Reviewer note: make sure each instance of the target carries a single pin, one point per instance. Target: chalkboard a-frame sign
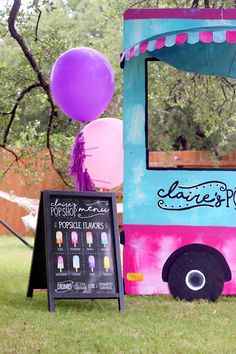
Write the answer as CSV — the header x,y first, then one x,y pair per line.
x,y
76,253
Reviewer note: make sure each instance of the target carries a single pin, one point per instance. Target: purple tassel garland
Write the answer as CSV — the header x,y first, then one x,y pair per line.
x,y
81,176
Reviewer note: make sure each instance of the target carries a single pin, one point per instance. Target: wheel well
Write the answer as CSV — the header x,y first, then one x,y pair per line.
x,y
196,247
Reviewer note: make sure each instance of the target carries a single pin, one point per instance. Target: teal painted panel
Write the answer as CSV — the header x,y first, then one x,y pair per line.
x,y
177,197
201,58
134,102
136,31
169,197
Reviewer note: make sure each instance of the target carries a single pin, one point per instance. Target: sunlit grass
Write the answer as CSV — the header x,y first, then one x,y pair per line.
x,y
150,324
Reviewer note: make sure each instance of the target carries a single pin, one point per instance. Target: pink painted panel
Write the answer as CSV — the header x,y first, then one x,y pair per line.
x,y
206,37
210,14
160,42
131,52
143,47
231,36
147,248
181,38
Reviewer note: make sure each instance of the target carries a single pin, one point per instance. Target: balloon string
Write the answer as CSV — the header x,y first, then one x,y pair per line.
x,y
82,125
92,148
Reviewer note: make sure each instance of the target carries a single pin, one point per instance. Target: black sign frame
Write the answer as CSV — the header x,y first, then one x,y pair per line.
x,y
42,273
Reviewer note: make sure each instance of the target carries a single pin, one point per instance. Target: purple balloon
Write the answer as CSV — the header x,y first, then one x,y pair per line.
x,y
82,83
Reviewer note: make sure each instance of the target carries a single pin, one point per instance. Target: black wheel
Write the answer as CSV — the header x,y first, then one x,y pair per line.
x,y
196,275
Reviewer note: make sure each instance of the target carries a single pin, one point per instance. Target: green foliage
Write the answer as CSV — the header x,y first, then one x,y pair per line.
x,y
52,27
190,112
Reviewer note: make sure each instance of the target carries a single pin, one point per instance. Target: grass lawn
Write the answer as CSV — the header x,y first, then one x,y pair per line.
x,y
150,324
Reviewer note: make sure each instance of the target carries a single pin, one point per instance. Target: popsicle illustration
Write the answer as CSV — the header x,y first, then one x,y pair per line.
x,y
91,262
76,263
59,238
106,263
104,239
60,263
89,238
74,238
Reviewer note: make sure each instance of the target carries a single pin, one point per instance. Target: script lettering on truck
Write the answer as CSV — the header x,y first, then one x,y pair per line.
x,y
212,194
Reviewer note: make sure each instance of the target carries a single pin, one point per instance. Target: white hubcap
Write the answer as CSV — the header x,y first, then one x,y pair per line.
x,y
195,280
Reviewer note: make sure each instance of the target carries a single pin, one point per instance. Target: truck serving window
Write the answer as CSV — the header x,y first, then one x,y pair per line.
x,y
190,119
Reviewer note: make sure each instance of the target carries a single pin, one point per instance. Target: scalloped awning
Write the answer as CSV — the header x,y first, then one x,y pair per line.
x,y
179,39
207,53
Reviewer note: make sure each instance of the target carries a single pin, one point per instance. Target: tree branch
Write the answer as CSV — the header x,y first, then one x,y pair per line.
x,y
43,83
17,157
7,168
37,25
195,3
17,160
11,25
13,112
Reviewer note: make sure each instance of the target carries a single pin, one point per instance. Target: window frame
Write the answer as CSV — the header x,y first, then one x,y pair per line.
x,y
148,167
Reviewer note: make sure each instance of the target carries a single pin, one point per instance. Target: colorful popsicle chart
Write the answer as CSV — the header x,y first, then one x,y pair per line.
x,y
60,263
74,238
104,239
59,238
106,263
91,262
76,262
89,238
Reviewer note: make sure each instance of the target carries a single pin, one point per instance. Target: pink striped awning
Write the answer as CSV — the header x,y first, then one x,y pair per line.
x,y
179,39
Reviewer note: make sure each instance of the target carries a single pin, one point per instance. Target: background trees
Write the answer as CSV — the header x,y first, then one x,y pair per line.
x,y
44,29
190,112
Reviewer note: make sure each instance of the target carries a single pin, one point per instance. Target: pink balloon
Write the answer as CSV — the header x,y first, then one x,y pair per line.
x,y
104,152
82,83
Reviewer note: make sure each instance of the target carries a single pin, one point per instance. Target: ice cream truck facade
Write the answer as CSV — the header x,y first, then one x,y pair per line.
x,y
179,223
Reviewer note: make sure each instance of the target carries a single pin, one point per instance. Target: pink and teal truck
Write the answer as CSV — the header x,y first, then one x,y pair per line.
x,y
179,223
